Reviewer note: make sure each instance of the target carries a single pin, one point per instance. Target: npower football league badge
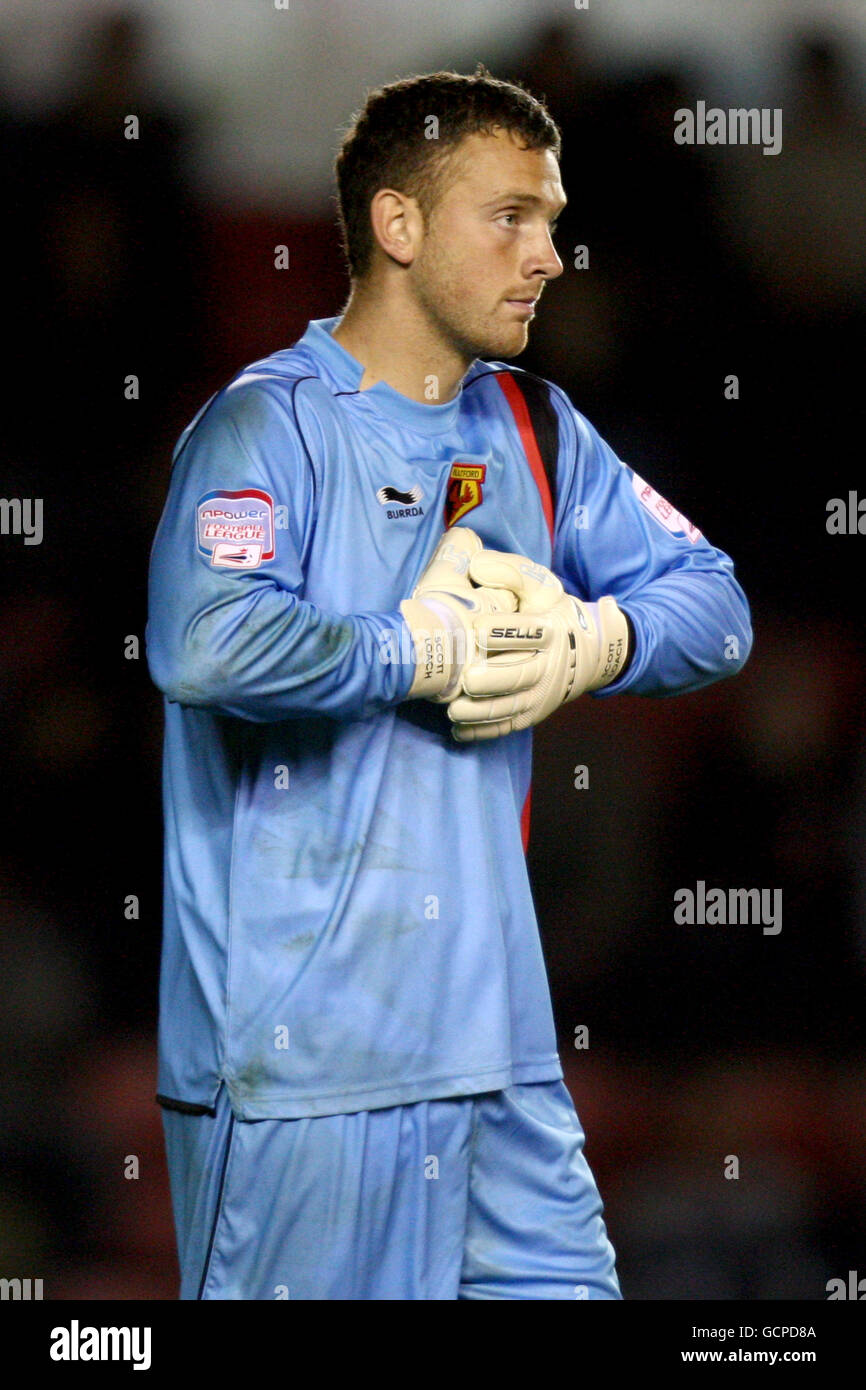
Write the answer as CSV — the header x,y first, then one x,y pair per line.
x,y
236,529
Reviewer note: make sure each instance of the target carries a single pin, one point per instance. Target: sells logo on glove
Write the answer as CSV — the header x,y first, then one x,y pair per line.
x,y
524,634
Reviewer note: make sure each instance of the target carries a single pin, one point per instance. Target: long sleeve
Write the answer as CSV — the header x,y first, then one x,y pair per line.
x,y
616,535
228,628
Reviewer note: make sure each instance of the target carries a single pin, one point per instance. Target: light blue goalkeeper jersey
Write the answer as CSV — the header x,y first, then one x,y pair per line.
x,y
348,921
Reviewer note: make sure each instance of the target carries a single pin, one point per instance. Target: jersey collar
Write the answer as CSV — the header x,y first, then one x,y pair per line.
x,y
346,372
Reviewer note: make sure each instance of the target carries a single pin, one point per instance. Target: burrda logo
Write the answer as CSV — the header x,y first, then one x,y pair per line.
x,y
399,504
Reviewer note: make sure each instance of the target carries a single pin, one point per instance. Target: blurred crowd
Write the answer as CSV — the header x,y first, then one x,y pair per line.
x,y
704,1042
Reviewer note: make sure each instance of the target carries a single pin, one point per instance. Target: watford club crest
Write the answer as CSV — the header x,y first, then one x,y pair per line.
x,y
464,491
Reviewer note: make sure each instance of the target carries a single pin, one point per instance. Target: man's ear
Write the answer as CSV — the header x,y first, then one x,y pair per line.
x,y
397,224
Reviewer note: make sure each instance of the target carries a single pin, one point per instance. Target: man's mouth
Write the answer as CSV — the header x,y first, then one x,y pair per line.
x,y
524,306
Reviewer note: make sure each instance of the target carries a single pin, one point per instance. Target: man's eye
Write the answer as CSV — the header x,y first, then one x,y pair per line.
x,y
511,214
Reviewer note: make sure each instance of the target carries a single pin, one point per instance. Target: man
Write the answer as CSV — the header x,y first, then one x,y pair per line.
x,y
358,1067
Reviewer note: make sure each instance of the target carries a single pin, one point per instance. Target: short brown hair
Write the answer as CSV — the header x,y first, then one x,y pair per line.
x,y
387,146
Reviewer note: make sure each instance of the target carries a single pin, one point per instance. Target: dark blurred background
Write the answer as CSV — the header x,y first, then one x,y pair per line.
x,y
154,258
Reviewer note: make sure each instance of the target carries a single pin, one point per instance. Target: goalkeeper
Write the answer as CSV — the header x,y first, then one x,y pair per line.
x,y
385,555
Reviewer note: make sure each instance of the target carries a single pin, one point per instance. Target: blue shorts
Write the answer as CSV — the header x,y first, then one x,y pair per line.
x,y
483,1196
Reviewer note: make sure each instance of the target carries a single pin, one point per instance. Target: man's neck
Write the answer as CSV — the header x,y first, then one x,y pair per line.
x,y
396,343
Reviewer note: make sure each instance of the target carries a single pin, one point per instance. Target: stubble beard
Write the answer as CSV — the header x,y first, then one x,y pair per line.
x,y
444,307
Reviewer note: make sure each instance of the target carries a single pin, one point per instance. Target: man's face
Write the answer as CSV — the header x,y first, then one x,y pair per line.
x,y
488,244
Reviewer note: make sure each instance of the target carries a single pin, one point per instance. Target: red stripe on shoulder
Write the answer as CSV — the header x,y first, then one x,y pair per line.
x,y
520,411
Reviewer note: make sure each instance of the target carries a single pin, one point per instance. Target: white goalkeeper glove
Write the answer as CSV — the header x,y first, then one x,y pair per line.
x,y
441,614
556,648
